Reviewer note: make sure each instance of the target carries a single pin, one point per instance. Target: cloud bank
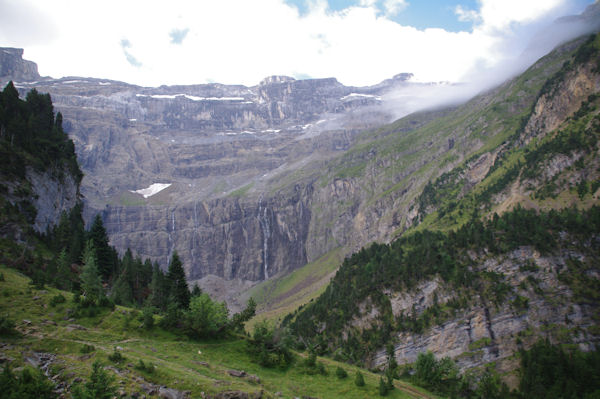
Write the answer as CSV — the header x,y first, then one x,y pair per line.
x,y
151,42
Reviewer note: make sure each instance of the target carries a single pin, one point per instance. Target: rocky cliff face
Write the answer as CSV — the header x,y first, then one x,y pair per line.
x,y
487,332
51,197
14,67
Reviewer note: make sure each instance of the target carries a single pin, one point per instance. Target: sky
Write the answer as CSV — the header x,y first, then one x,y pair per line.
x,y
360,42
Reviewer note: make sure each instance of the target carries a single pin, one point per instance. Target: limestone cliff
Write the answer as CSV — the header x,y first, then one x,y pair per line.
x,y
14,67
486,332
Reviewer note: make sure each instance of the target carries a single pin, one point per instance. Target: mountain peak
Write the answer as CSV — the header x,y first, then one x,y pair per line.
x,y
14,67
276,79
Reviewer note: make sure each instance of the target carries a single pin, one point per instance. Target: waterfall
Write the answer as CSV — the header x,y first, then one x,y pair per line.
x,y
266,232
195,233
171,242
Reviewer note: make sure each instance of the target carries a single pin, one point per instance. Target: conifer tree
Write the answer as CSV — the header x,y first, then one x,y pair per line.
x,y
91,284
158,289
122,292
178,287
359,379
105,254
63,271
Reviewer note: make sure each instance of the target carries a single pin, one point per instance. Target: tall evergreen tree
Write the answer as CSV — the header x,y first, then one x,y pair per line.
x,y
122,292
63,272
105,254
91,284
178,287
158,289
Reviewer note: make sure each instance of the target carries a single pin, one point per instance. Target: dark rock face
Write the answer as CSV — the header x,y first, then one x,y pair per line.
x,y
14,67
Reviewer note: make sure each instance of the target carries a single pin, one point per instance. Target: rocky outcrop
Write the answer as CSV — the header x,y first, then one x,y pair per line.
x,y
14,67
562,99
52,195
540,305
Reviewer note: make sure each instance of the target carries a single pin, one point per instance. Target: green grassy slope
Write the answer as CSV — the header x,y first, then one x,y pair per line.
x,y
195,366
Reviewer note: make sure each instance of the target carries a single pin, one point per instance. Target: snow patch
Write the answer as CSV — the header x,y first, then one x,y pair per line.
x,y
193,98
132,120
353,96
104,83
151,190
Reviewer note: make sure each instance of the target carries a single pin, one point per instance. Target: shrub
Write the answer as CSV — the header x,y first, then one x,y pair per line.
x,y
7,326
57,299
100,385
87,348
116,356
270,347
359,379
145,367
341,373
28,384
148,317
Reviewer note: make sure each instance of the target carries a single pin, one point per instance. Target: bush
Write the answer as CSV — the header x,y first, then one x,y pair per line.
x,y
359,379
116,356
7,326
341,373
148,317
28,384
100,385
440,376
270,347
57,299
87,348
145,367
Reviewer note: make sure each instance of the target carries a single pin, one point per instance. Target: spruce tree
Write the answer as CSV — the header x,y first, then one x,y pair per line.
x,y
122,292
91,284
178,287
383,388
158,289
63,272
105,256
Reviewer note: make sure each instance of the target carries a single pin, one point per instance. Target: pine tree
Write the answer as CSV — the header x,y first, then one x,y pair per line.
x,y
105,256
178,287
158,289
63,272
91,284
122,292
196,291
383,388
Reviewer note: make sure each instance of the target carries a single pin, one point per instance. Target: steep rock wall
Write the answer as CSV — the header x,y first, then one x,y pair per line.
x,y
231,238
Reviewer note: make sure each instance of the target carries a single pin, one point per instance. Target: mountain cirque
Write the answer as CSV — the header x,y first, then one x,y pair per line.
x,y
225,156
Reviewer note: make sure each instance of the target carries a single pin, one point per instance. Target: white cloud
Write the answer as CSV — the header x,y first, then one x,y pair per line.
x,y
466,15
393,7
237,41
